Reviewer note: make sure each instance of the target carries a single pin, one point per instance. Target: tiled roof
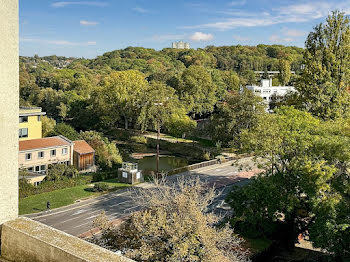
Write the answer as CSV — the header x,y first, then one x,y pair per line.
x,y
43,143
82,147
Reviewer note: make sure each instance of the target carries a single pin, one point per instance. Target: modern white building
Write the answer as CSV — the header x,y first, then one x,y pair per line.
x,y
270,93
180,45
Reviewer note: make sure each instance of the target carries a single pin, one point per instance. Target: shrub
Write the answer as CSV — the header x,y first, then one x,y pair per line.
x,y
59,171
100,187
139,139
101,176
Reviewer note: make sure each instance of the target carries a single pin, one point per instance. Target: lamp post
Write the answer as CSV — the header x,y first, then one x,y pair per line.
x,y
158,138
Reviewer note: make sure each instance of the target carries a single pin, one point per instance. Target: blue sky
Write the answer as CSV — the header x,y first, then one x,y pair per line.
x,y
91,28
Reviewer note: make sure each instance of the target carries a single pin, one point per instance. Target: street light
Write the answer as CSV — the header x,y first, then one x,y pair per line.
x,y
158,138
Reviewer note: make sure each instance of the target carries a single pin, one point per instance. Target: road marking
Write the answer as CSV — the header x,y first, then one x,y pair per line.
x,y
130,208
80,206
90,222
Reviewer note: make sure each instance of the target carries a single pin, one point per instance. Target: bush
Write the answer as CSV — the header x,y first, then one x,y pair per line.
x,y
101,176
66,131
139,139
59,171
100,187
26,189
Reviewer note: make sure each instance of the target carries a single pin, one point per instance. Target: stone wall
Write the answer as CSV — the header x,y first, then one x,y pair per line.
x,y
9,110
25,240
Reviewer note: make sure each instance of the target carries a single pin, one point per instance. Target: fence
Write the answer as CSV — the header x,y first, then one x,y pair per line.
x,y
200,165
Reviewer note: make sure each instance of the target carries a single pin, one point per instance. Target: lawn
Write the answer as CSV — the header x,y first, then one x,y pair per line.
x,y
62,197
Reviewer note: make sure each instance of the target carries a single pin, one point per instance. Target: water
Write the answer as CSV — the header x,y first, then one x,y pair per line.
x,y
166,163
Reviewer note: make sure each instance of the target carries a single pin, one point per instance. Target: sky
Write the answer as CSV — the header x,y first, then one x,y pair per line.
x,y
90,28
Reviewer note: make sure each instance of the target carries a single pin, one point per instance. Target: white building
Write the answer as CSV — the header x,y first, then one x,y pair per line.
x,y
270,93
180,45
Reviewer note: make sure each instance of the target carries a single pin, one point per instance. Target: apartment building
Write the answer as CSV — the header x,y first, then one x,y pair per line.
x,y
36,154
180,45
30,126
270,93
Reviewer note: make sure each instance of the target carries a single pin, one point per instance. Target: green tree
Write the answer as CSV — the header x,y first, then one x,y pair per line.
x,y
121,94
197,90
239,111
65,130
48,125
303,188
180,124
285,73
325,81
107,154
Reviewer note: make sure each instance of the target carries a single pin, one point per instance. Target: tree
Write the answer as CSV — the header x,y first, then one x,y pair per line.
x,y
65,130
197,90
121,94
107,154
238,112
180,124
303,188
174,225
285,73
48,125
159,105
325,80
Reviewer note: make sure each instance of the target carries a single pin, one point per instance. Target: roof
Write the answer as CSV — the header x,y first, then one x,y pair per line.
x,y
31,111
82,147
46,142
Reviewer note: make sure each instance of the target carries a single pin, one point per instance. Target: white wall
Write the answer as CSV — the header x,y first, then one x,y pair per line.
x,y
9,110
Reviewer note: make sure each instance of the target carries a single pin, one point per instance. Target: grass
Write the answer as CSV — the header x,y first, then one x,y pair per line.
x,y
257,245
62,197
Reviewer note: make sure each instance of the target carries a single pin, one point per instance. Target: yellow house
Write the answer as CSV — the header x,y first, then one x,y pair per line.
x,y
30,126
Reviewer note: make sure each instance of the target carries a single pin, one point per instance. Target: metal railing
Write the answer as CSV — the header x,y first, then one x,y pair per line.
x,y
201,165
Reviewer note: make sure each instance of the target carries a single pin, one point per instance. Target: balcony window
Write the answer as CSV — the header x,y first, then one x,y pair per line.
x,y
28,156
23,119
64,151
41,155
23,132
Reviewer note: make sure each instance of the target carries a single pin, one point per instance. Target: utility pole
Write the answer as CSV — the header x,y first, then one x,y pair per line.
x,y
158,137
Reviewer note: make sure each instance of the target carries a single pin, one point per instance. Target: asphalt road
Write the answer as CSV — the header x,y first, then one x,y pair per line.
x,y
77,219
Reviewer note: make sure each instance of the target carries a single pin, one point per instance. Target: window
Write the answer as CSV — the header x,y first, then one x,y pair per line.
x,y
23,132
30,169
43,168
53,152
39,118
41,155
28,156
64,151
23,119
37,169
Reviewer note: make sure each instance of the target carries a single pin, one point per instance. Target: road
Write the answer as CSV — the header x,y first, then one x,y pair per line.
x,y
77,219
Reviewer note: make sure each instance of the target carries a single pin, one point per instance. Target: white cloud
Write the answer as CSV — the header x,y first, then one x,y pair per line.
x,y
199,36
58,42
141,10
295,13
87,23
241,38
86,3
238,3
279,39
294,33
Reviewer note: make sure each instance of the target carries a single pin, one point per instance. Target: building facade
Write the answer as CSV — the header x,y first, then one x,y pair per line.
x,y
84,156
37,154
30,126
180,45
270,93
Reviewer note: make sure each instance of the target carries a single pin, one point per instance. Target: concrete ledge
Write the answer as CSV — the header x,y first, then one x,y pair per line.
x,y
25,240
